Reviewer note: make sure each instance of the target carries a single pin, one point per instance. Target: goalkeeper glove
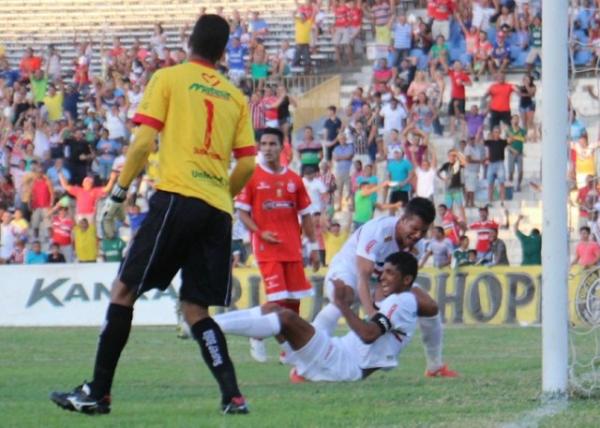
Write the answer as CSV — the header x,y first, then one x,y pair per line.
x,y
113,211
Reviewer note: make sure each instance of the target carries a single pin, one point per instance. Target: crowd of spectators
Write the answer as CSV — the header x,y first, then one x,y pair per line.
x,y
65,130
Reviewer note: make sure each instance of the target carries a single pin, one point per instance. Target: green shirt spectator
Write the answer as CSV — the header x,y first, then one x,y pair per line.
x,y
517,138
112,249
364,206
531,245
39,86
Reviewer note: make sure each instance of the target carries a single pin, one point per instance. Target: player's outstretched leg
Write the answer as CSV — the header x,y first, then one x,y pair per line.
x,y
94,397
327,319
432,335
213,347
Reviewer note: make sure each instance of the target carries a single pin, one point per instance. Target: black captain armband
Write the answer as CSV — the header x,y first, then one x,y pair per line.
x,y
382,322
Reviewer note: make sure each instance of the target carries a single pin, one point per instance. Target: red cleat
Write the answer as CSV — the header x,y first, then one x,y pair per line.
x,y
443,371
295,377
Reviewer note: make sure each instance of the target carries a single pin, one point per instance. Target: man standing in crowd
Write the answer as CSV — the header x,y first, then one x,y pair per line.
x,y
587,251
496,146
531,245
483,229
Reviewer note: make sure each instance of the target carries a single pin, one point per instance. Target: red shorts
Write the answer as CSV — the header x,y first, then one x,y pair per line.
x,y
284,280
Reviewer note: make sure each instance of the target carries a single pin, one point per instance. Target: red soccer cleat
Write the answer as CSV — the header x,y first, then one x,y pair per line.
x,y
295,377
443,371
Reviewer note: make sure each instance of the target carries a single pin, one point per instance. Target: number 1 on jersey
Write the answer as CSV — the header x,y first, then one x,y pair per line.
x,y
210,116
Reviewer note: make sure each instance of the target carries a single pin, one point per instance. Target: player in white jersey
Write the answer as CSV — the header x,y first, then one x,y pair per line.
x,y
368,347
361,258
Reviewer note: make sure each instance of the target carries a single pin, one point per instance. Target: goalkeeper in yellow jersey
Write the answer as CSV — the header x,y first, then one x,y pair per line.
x,y
203,120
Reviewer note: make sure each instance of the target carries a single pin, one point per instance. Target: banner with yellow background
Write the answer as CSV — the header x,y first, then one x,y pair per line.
x,y
472,295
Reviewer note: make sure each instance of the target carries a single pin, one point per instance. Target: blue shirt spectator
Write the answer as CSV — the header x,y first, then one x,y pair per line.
x,y
399,169
402,33
343,154
53,171
235,55
36,256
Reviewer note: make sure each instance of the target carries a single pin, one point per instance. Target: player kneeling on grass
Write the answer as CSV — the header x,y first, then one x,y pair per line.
x,y
369,346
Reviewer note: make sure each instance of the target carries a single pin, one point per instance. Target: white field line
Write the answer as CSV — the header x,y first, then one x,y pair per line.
x,y
532,418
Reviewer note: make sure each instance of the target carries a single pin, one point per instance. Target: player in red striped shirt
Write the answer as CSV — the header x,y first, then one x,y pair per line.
x,y
269,207
483,227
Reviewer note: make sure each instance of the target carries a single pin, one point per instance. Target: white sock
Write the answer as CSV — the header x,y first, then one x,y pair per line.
x,y
239,314
249,323
432,335
327,319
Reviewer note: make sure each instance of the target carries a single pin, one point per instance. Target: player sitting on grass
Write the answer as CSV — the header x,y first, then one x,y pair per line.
x,y
361,258
369,346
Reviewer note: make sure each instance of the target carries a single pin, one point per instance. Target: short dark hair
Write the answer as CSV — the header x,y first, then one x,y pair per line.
x,y
422,208
585,228
439,229
273,131
332,108
443,206
209,37
405,263
535,232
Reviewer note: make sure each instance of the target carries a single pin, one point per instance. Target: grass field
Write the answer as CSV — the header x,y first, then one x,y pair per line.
x,y
162,382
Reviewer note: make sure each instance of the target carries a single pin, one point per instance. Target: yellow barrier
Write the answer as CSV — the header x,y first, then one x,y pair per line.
x,y
473,295
312,105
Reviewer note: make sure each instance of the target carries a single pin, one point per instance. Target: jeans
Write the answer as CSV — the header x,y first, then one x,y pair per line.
x,y
302,53
515,160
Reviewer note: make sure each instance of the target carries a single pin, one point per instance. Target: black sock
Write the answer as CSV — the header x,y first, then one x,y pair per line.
x,y
214,351
113,338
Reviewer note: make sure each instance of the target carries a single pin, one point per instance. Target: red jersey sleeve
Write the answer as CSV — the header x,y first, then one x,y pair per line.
x,y
302,199
244,199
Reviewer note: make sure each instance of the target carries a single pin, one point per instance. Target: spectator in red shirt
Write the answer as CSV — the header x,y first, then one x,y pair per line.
x,y
355,18
586,198
499,94
62,228
29,64
587,252
483,228
482,59
382,75
440,11
271,103
41,199
86,197
456,108
340,30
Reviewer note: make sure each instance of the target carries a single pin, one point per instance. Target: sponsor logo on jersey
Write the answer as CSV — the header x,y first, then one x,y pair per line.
x,y
370,245
587,298
262,186
291,187
274,205
205,176
210,91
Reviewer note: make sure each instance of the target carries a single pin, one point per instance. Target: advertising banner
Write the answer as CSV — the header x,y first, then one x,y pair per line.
x,y
78,294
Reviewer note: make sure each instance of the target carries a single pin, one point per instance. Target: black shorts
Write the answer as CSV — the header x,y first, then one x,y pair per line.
x,y
182,233
499,116
399,196
461,107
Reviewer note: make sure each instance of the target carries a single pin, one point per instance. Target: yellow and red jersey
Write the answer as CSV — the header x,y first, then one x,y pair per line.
x,y
203,118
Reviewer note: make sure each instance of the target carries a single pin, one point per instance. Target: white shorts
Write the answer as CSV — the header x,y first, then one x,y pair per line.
x,y
272,123
341,36
236,75
325,359
342,274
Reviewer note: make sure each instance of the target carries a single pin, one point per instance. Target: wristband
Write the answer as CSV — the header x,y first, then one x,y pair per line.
x,y
118,193
313,246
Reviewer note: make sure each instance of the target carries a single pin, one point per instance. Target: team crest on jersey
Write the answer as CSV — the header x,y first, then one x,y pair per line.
x,y
211,79
291,187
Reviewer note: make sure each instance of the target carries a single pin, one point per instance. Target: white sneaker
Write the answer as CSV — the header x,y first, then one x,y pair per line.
x,y
258,350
